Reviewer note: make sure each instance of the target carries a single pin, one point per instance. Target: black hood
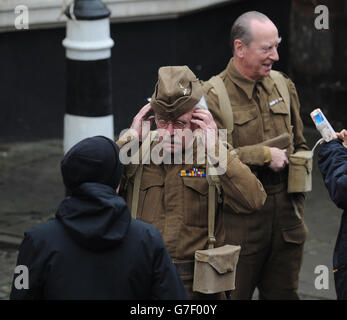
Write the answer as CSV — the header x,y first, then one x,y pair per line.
x,y
93,159
95,216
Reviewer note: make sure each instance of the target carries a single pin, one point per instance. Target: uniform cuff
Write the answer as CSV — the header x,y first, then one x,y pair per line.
x,y
267,155
126,137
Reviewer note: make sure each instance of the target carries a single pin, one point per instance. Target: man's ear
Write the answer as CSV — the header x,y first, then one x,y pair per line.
x,y
239,48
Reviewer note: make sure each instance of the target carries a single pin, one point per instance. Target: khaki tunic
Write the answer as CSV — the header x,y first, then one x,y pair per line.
x,y
275,231
178,206
254,120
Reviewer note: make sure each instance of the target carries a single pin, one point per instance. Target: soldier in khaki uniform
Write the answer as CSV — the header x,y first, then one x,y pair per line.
x,y
177,205
272,238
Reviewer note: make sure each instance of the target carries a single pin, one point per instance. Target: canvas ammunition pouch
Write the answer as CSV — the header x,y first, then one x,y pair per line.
x,y
300,172
214,268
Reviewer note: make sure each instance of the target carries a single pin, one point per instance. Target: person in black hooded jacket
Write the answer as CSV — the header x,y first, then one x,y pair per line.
x,y
333,166
93,249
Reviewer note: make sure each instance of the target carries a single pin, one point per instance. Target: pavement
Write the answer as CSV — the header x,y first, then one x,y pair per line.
x,y
31,189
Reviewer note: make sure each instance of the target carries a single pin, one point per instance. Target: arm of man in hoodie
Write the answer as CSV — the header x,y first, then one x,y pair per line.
x,y
166,283
332,163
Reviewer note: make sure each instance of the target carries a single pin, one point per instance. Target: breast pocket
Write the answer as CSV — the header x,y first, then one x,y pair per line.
x,y
195,197
280,115
246,127
150,199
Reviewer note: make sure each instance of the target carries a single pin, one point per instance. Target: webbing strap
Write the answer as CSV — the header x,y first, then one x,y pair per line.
x,y
224,104
136,191
145,148
211,210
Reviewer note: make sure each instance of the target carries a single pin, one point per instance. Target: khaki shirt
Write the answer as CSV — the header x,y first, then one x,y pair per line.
x,y
178,206
254,119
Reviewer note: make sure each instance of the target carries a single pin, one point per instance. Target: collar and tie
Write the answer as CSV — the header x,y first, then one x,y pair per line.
x,y
247,85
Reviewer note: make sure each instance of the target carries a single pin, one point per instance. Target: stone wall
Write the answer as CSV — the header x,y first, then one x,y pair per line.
x,y
45,14
318,60
33,66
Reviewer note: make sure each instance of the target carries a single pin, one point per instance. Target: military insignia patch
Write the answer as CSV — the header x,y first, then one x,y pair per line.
x,y
278,100
185,90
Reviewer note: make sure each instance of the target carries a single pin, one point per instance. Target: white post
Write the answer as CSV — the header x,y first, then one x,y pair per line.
x,y
88,46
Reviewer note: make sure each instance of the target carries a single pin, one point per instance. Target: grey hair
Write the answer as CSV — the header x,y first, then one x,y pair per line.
x,y
201,104
241,29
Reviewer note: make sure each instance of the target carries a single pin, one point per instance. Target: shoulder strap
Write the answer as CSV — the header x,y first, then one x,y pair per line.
x,y
213,187
282,87
138,174
211,211
224,104
136,191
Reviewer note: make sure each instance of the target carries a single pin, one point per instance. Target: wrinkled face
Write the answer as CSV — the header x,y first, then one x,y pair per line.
x,y
171,133
261,52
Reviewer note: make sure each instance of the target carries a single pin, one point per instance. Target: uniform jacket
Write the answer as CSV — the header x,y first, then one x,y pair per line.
x,y
333,166
94,250
254,122
178,206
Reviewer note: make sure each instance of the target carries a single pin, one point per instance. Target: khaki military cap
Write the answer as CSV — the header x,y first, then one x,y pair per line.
x,y
176,92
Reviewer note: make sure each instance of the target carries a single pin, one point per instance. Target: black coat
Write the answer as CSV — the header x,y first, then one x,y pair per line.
x,y
333,166
93,249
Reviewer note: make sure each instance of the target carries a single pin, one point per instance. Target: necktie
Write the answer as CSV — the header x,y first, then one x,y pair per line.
x,y
262,98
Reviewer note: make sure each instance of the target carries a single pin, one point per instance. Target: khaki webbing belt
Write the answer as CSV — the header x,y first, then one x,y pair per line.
x,y
211,210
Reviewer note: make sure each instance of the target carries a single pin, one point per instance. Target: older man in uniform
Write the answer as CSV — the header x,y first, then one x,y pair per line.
x,y
176,202
271,239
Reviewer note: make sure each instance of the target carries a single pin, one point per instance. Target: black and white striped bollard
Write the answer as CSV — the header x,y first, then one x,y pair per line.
x,y
88,66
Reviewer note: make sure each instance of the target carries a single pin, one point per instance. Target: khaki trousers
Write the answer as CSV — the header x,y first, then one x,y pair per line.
x,y
186,271
271,248
188,284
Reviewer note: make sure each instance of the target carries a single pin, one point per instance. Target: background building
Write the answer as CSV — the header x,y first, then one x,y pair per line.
x,y
147,34
317,60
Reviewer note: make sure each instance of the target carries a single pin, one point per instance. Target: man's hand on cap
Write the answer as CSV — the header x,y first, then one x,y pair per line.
x,y
142,125
204,120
